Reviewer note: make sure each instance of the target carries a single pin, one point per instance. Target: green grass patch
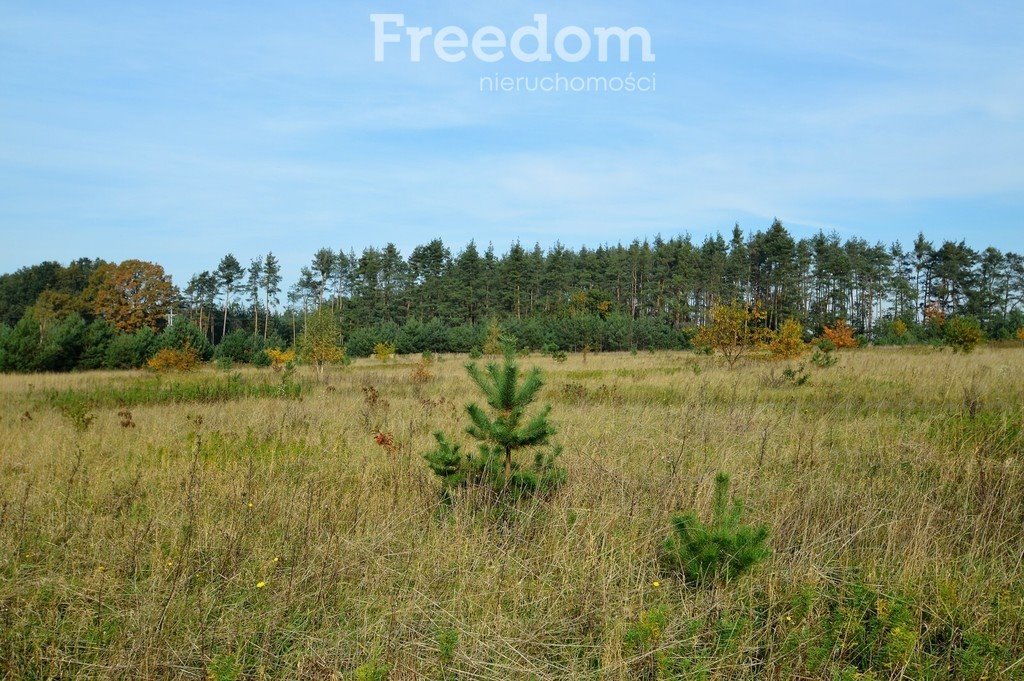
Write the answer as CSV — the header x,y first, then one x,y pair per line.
x,y
160,390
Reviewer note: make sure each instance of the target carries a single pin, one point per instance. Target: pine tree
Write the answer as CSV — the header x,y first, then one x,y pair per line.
x,y
501,434
271,287
721,550
324,263
200,294
229,272
252,288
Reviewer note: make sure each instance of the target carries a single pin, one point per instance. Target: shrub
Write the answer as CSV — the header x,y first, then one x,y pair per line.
x,y
898,331
184,334
840,335
787,342
554,352
963,334
130,350
62,344
722,550
420,375
643,635
279,358
375,409
359,341
371,671
240,346
1020,334
934,317
863,632
384,352
447,640
173,359
641,641
416,337
77,412
462,338
493,344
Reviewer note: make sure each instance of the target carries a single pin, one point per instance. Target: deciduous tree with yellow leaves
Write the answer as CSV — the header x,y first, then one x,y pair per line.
x,y
320,342
734,330
787,342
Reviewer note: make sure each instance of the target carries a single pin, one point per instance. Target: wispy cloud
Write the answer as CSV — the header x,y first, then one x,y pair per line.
x,y
232,127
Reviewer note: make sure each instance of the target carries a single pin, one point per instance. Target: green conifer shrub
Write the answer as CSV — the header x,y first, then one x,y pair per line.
x,y
791,376
824,354
500,434
720,551
184,334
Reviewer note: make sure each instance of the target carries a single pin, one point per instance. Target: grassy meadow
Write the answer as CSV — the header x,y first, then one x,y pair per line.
x,y
223,525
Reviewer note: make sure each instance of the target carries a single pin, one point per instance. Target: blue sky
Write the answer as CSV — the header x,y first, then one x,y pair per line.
x,y
177,132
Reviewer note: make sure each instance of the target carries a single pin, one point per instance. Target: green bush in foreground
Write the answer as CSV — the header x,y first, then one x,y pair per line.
x,y
500,435
720,551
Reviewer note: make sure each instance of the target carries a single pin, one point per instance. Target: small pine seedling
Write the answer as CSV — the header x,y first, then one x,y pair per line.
x,y
823,358
796,376
720,551
500,435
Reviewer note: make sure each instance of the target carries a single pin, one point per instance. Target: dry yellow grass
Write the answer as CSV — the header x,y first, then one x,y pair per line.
x,y
274,538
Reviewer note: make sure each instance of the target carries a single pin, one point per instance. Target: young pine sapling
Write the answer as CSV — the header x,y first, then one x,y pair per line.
x,y
501,431
719,551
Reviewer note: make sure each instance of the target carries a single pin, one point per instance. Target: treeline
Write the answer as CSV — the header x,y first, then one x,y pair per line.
x,y
649,294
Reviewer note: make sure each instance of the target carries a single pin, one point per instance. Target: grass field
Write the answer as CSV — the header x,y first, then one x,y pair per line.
x,y
210,526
